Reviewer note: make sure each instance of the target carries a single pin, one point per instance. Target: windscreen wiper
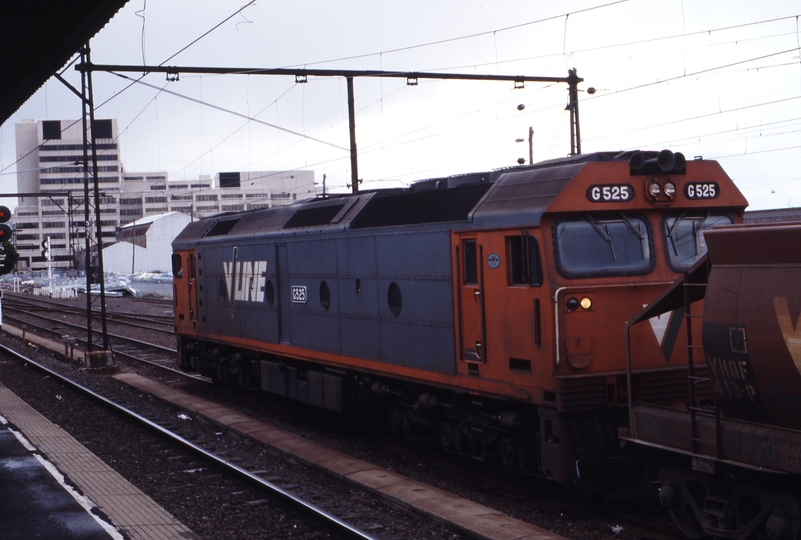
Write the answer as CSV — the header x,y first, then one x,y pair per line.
x,y
603,232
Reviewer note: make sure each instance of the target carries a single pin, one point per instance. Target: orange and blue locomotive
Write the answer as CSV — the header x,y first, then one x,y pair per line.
x,y
488,310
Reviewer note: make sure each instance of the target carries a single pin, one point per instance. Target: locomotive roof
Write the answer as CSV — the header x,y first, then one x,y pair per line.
x,y
513,197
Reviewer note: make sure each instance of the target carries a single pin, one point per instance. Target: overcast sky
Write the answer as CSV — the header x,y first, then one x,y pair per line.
x,y
714,78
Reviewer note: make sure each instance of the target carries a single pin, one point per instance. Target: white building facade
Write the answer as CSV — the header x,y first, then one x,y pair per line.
x,y
145,245
50,158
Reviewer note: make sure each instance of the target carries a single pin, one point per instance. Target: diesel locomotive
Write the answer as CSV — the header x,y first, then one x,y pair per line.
x,y
487,310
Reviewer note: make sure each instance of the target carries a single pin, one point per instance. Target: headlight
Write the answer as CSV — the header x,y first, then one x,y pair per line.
x,y
654,190
670,189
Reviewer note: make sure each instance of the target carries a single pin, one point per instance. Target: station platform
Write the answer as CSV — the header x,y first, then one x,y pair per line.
x,y
39,465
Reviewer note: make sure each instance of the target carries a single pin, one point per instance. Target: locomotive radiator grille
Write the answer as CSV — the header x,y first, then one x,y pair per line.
x,y
580,393
662,387
667,387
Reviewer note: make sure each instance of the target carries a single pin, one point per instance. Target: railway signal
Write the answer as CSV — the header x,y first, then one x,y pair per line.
x,y
46,249
5,230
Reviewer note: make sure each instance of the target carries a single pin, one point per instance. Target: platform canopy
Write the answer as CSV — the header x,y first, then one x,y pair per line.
x,y
38,37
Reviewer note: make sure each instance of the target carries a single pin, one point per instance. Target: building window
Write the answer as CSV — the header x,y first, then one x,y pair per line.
x,y
181,197
231,196
206,198
62,147
155,178
132,178
51,129
157,210
76,159
101,129
158,187
124,202
53,225
150,200
233,207
229,180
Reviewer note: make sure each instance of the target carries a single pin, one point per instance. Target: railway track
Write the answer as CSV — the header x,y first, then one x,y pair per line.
x,y
493,484
57,326
131,348
217,464
158,322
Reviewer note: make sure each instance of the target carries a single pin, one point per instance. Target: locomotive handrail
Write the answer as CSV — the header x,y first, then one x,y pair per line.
x,y
556,319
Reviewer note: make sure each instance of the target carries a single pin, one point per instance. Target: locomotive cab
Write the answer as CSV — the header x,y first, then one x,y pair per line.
x,y
542,298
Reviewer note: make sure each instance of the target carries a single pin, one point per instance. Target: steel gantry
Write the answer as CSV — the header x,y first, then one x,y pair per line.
x,y
412,77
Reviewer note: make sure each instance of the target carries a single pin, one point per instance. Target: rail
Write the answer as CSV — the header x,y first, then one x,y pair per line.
x,y
335,525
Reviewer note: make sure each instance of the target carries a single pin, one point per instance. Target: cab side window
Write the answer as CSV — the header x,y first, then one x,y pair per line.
x,y
523,254
177,266
470,260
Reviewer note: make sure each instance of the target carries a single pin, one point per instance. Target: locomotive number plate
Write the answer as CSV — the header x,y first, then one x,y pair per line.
x,y
299,294
617,193
706,190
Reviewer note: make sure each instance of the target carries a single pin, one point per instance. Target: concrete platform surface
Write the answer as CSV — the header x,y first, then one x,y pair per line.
x,y
35,501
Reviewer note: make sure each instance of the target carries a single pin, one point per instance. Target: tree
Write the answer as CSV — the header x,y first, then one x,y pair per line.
x,y
9,257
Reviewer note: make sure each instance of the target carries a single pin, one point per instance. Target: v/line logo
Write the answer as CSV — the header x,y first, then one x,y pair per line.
x,y
245,280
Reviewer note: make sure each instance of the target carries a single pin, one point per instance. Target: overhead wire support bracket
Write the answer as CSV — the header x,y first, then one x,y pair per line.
x,y
301,76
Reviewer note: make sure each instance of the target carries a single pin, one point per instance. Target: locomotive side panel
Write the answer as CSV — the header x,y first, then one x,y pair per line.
x,y
238,291
358,285
415,300
314,295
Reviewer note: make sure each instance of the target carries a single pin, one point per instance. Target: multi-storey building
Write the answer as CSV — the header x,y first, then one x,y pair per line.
x,y
50,161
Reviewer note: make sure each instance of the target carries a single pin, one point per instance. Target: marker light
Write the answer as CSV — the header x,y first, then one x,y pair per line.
x,y
586,303
572,303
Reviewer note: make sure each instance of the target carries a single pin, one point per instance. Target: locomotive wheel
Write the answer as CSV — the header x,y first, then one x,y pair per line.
x,y
687,523
779,526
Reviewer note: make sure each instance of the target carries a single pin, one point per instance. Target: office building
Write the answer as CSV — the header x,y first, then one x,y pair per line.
x,y
50,181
